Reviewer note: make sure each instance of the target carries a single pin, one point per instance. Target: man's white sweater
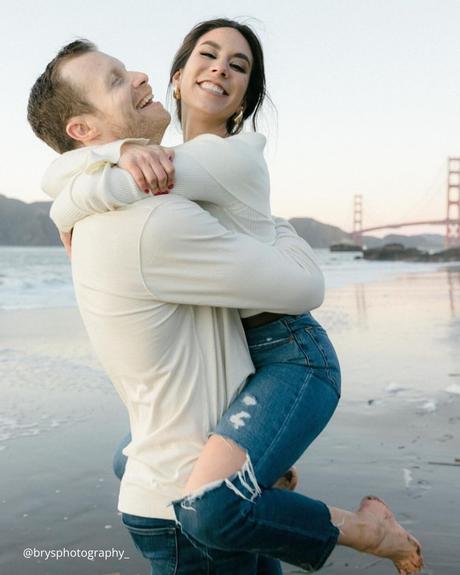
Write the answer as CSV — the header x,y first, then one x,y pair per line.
x,y
159,284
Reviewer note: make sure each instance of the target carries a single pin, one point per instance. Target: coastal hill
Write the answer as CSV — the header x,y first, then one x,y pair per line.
x,y
24,224
320,235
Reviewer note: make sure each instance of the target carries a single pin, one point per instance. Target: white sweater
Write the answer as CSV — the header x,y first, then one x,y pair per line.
x,y
158,283
237,194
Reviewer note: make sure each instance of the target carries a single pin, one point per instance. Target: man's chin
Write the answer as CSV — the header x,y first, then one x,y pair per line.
x,y
148,128
155,130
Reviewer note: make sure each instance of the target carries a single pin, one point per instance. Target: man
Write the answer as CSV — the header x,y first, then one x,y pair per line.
x,y
158,284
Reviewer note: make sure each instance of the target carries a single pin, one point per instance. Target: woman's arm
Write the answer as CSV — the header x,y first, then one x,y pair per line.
x,y
221,171
67,178
85,181
236,163
81,160
188,257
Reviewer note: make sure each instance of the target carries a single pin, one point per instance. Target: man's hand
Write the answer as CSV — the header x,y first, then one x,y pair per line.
x,y
151,167
66,239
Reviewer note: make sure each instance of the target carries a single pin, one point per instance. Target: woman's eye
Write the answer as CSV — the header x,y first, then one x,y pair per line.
x,y
238,68
208,55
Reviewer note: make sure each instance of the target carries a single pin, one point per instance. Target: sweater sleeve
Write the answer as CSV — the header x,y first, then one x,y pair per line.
x,y
188,257
236,164
226,172
81,184
109,187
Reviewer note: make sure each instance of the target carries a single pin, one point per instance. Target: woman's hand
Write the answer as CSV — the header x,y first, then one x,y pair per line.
x,y
66,239
151,167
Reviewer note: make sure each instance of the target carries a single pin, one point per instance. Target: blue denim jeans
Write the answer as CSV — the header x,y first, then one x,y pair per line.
x,y
283,407
170,553
162,543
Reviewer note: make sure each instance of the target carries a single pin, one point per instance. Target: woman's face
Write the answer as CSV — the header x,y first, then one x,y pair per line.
x,y
215,78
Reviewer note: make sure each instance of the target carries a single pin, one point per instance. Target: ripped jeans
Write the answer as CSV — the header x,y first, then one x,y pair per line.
x,y
170,553
284,406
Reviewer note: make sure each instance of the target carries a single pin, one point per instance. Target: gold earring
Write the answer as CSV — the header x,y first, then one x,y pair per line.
x,y
238,118
176,93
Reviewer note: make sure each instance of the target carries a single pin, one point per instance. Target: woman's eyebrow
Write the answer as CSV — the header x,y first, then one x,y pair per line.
x,y
217,47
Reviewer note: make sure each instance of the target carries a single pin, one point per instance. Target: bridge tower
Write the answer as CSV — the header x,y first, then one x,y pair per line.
x,y
357,219
453,203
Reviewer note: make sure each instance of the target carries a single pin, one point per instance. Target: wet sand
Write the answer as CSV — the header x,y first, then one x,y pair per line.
x,y
399,418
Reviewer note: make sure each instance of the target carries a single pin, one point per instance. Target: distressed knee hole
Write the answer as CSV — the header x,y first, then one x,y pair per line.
x,y
243,483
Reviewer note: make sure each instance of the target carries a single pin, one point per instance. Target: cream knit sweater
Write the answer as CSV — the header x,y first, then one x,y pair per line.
x,y
158,284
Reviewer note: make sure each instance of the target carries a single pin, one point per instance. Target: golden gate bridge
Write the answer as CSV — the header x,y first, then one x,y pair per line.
x,y
451,221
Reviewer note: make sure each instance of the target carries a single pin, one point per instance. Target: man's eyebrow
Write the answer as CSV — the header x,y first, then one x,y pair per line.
x,y
119,63
217,47
117,66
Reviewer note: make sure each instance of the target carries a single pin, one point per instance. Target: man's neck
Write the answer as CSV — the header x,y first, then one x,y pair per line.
x,y
154,140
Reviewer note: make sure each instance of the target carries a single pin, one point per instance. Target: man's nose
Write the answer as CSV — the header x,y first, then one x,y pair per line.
x,y
139,78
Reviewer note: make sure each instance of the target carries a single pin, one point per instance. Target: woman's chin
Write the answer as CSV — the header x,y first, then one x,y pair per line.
x,y
205,111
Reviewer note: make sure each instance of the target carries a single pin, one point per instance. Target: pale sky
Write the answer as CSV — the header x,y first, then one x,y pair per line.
x,y
367,93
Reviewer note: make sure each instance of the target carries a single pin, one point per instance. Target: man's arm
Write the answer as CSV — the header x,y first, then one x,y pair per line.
x,y
188,257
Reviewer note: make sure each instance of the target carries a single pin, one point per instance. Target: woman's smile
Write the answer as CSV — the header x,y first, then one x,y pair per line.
x,y
212,88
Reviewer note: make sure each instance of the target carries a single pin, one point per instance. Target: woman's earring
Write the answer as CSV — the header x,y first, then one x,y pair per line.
x,y
238,118
176,93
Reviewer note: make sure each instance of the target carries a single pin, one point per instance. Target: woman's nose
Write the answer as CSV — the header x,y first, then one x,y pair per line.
x,y
220,68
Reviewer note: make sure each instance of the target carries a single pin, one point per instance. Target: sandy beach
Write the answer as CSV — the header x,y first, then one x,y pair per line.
x,y
395,434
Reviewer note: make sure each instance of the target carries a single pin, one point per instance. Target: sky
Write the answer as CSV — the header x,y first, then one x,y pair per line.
x,y
367,93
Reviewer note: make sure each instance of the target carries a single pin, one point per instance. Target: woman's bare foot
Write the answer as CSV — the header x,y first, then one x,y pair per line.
x,y
389,539
288,481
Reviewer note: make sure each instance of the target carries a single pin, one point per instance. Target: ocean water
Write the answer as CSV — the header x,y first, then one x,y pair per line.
x,y
40,277
35,277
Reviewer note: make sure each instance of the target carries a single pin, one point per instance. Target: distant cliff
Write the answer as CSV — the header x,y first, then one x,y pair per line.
x,y
320,235
26,224
29,225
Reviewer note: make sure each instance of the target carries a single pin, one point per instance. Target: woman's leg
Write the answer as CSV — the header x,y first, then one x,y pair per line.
x,y
237,514
282,409
191,560
373,529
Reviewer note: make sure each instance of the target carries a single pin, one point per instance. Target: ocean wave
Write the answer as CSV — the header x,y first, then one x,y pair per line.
x,y
35,278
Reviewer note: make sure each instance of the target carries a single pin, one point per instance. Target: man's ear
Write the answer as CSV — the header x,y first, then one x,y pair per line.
x,y
81,128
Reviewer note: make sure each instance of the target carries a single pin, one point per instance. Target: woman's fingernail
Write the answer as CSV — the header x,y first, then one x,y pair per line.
x,y
171,186
147,191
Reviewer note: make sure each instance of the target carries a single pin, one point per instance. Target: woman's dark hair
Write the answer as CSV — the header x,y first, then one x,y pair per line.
x,y
256,91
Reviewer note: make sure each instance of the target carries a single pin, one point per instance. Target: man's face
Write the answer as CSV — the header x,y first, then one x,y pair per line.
x,y
123,99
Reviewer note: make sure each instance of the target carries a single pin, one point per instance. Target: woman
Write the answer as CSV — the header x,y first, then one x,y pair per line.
x,y
218,81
